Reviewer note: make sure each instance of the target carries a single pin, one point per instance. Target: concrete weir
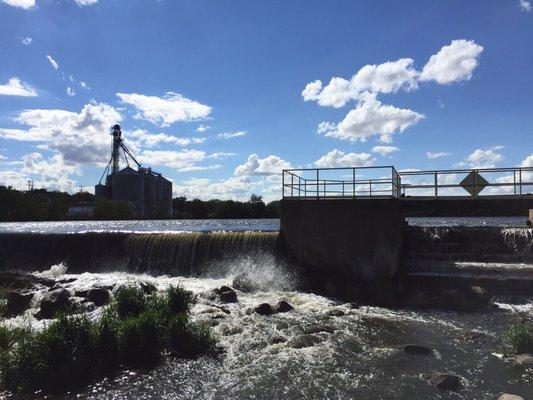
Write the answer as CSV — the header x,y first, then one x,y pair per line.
x,y
350,240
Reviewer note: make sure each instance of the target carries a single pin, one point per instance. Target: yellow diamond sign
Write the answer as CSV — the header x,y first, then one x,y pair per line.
x,y
474,183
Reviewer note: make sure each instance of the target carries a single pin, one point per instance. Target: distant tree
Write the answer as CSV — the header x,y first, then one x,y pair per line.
x,y
112,209
254,198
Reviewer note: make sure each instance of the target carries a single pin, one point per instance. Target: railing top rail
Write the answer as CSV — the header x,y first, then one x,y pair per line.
x,y
292,170
465,170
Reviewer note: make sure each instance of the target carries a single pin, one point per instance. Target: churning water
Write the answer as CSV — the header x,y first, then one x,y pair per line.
x,y
323,349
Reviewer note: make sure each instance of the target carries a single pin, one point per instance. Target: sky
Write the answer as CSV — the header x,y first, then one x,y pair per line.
x,y
220,96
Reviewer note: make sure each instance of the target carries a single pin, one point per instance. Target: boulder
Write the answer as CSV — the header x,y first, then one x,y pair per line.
x,y
17,303
507,396
53,302
416,349
22,280
228,296
337,312
524,359
278,339
243,283
80,304
99,296
445,381
283,306
264,309
67,280
469,298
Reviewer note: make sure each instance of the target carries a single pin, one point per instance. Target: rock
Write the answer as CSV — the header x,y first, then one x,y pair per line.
x,y
337,312
147,287
445,381
507,396
416,349
354,306
17,303
56,286
229,296
82,293
278,339
418,299
80,304
524,359
223,289
469,298
283,306
243,283
264,309
53,302
67,280
99,296
23,280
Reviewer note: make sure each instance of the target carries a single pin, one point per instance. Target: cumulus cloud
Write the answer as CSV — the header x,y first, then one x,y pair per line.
x,y
371,118
36,163
384,150
388,77
230,135
235,188
202,128
525,5
166,110
24,4
53,62
435,155
81,138
482,158
184,160
27,40
70,92
262,166
143,138
337,158
454,62
83,3
15,87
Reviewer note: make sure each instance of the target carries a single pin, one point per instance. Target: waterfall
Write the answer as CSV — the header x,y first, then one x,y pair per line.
x,y
461,243
154,253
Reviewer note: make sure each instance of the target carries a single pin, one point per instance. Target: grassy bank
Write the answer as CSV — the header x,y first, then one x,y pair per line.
x,y
519,337
135,330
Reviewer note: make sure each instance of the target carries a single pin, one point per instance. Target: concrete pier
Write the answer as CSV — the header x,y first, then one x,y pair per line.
x,y
344,240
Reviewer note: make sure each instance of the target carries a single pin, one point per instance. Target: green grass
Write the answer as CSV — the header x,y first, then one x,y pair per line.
x,y
519,337
134,331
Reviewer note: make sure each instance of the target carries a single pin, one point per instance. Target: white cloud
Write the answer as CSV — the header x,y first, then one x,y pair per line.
x,y
15,87
166,110
230,135
439,154
35,163
384,150
24,4
371,118
54,63
202,128
235,188
454,62
81,138
144,138
262,166
184,160
70,92
221,154
525,5
83,3
27,40
84,85
337,158
388,77
482,158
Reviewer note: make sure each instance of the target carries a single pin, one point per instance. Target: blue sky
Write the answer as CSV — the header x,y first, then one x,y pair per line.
x,y
219,96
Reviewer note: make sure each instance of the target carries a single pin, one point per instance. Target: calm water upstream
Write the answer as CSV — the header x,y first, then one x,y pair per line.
x,y
322,349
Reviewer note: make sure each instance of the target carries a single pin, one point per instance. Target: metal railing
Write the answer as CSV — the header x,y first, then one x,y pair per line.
x,y
514,181
386,182
349,182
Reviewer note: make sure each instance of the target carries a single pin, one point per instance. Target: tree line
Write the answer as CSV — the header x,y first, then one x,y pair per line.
x,y
44,205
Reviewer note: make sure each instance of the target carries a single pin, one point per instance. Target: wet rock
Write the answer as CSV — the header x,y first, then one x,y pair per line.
x,y
228,296
445,381
80,304
319,329
524,359
81,293
99,296
354,306
147,287
222,289
416,349
56,286
283,306
245,284
53,302
337,312
17,303
469,298
23,280
418,299
507,396
264,309
278,339
67,280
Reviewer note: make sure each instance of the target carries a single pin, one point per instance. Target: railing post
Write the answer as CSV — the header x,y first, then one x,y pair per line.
x,y
324,185
475,182
514,182
343,188
520,180
282,184
370,184
292,185
436,184
317,188
299,186
305,188
353,182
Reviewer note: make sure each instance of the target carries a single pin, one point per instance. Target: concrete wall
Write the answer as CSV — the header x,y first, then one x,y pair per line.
x,y
344,241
